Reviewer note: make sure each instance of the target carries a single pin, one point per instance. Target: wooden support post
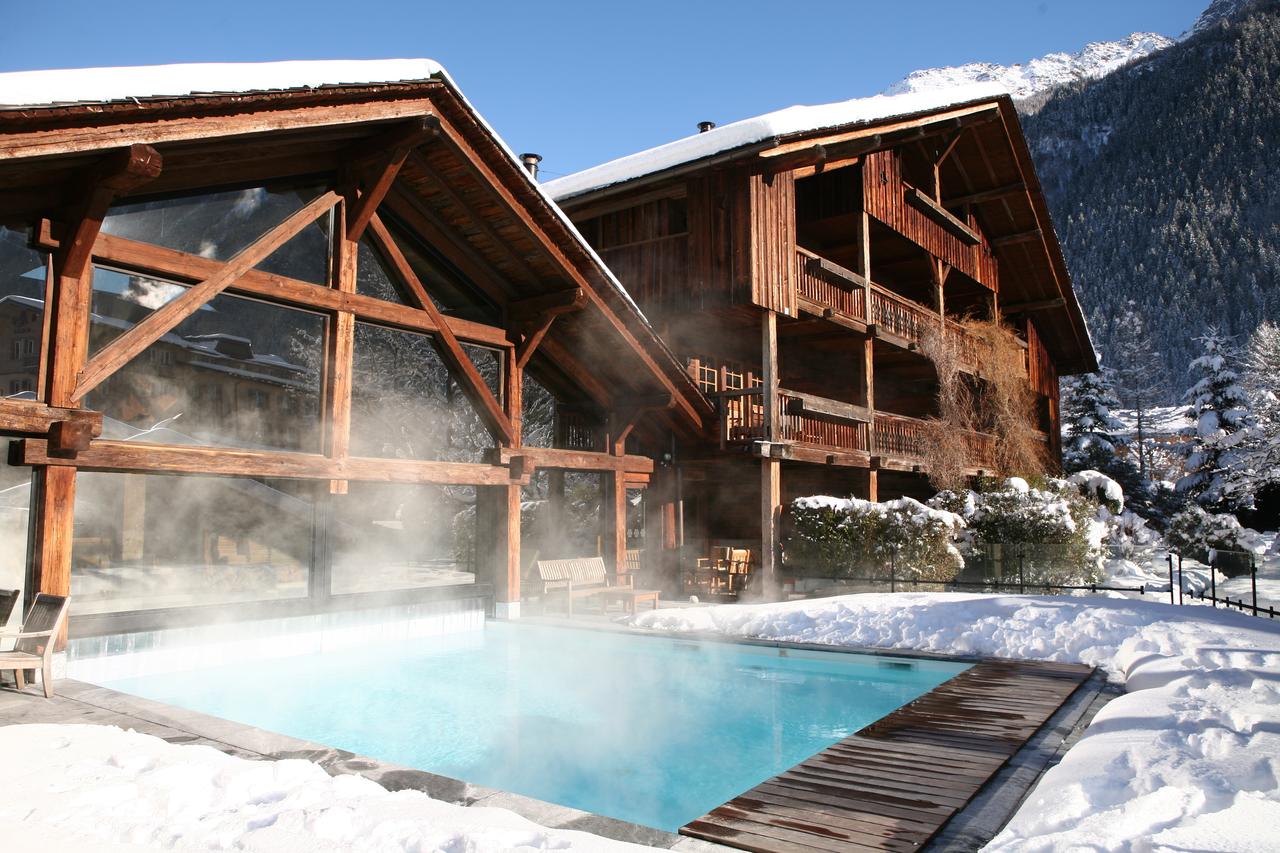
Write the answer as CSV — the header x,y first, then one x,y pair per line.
x,y
613,514
340,355
873,484
498,546
68,307
769,377
869,341
770,517
657,501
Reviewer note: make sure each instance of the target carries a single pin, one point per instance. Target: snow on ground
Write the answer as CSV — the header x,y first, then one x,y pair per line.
x,y
81,787
1188,759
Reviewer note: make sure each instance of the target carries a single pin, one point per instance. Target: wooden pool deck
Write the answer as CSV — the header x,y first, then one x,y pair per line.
x,y
894,784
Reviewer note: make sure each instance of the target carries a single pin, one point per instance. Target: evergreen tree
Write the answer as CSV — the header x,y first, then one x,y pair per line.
x,y
1162,184
1089,426
1140,380
1262,382
1218,474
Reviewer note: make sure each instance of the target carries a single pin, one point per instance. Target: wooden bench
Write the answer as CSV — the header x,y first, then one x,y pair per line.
x,y
585,577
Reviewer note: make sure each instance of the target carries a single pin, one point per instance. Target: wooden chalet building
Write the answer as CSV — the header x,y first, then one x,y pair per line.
x,y
295,337
794,262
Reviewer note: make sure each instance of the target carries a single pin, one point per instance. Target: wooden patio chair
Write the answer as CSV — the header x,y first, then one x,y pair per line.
x,y
8,600
34,646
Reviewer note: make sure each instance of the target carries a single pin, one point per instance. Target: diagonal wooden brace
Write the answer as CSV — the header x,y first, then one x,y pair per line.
x,y
460,366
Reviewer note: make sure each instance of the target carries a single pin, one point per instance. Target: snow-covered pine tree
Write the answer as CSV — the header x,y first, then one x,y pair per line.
x,y
1088,425
1262,382
1218,472
1139,373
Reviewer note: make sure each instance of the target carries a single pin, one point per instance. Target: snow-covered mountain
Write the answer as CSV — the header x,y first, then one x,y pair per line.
x,y
1023,80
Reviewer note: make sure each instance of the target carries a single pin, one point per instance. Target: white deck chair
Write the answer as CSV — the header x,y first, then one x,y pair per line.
x,y
34,646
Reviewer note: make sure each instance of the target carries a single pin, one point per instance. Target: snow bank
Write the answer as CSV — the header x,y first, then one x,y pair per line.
x,y
75,788
1188,759
796,119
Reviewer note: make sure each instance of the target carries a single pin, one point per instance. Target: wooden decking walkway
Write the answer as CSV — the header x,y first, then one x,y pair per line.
x,y
895,783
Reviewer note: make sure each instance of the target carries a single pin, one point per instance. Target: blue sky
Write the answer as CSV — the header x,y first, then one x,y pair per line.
x,y
584,82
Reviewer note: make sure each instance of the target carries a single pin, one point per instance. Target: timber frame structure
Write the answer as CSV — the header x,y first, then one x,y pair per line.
x,y
386,159
797,273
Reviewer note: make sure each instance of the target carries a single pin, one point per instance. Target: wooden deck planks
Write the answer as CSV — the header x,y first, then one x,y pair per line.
x,y
894,784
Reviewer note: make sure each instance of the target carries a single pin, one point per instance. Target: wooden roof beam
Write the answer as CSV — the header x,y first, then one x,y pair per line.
x,y
391,150
1034,305
447,242
554,303
988,194
786,158
402,136
481,222
118,174
1013,239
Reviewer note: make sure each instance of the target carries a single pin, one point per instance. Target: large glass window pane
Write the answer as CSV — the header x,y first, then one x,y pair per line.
x,y
236,373
218,225
148,541
15,523
388,536
22,276
404,403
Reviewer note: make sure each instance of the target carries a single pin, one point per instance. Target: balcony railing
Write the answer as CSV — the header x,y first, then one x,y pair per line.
x,y
830,286
742,419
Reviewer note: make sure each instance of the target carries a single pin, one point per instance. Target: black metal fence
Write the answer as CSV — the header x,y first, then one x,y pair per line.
x,y
1039,568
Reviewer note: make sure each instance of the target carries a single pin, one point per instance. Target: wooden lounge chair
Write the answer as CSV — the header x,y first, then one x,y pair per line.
x,y
34,647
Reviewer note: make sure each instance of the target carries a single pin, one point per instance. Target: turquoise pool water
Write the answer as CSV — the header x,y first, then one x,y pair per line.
x,y
650,730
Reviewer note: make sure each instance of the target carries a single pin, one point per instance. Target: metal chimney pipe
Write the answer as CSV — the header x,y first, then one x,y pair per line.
x,y
704,126
531,162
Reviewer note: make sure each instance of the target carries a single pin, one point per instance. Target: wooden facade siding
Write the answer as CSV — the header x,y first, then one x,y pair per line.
x,y
656,274
896,783
1040,370
773,242
884,193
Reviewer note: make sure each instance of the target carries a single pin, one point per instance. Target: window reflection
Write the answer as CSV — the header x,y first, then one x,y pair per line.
x,y
236,373
148,541
404,403
22,277
218,225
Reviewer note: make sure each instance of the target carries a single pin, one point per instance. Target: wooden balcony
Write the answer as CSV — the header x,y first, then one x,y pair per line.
x,y
827,289
830,425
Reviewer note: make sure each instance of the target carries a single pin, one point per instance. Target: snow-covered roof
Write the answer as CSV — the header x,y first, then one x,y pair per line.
x,y
93,85
785,122
26,89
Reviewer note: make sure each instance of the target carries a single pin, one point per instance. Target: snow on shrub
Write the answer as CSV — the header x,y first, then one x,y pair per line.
x,y
1215,538
1048,533
839,537
1100,487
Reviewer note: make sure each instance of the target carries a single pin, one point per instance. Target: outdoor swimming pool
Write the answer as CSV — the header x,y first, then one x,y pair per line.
x,y
646,729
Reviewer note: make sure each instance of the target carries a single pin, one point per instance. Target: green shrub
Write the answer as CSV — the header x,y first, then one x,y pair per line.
x,y
834,537
1049,531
